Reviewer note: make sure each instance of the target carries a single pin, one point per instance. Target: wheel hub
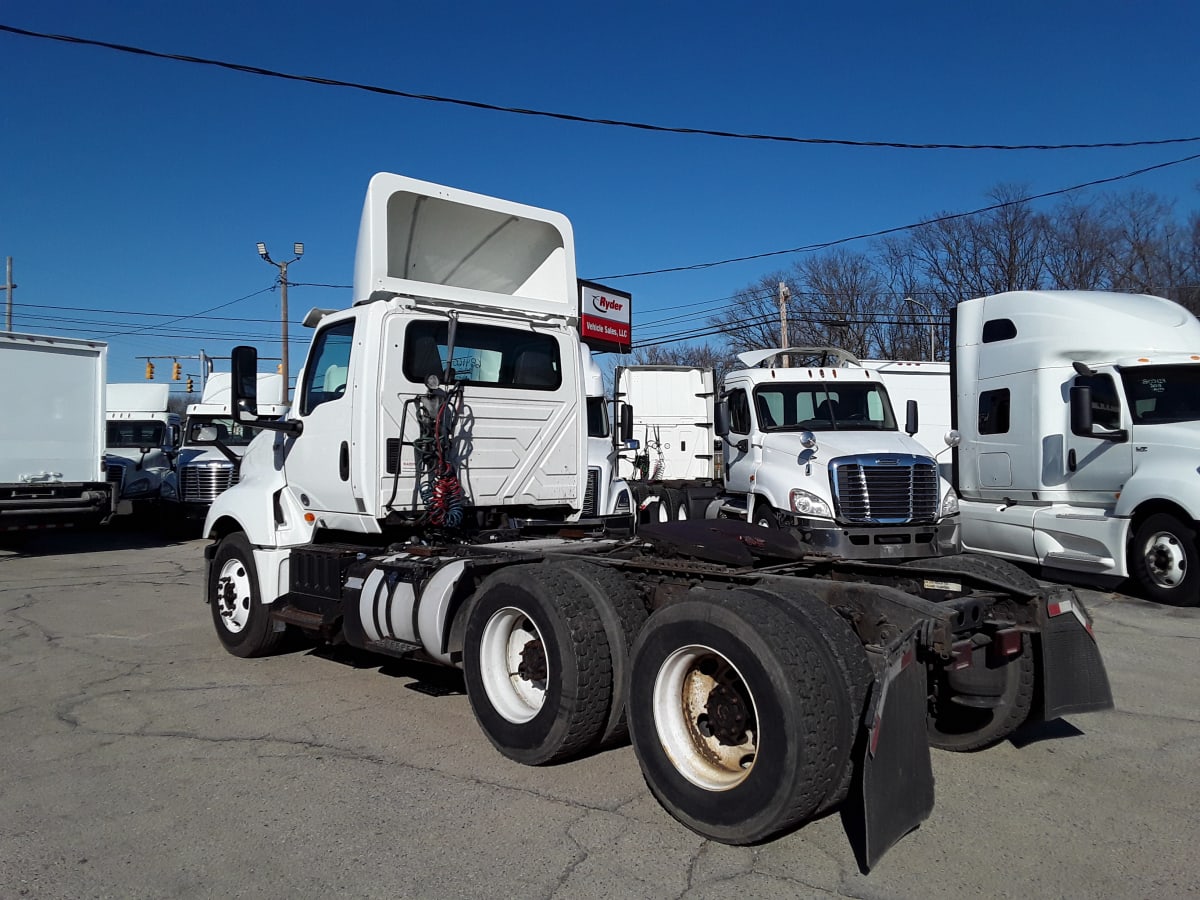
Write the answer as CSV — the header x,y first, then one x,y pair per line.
x,y
1166,560
533,662
727,715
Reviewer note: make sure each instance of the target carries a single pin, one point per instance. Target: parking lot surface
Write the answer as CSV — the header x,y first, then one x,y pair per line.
x,y
141,760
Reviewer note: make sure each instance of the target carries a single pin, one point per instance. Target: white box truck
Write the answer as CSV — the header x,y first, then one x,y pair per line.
x,y
143,438
425,497
52,471
1080,421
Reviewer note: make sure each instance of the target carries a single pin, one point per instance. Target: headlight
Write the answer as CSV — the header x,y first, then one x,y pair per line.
x,y
137,486
623,505
806,504
950,504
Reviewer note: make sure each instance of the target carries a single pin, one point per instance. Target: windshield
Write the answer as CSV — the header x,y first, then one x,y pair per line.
x,y
821,406
135,434
1159,394
597,412
210,429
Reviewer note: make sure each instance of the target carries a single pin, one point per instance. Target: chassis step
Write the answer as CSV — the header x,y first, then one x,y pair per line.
x,y
393,647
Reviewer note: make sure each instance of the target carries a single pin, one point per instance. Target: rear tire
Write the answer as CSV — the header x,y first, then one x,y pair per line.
x,y
242,621
623,614
679,504
1165,561
765,515
664,508
537,665
735,716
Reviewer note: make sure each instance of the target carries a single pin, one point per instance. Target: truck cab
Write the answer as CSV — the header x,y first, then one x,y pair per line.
x,y
214,441
1080,421
143,439
818,448
607,493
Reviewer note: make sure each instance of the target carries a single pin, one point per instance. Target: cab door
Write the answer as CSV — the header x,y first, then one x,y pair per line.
x,y
319,459
1098,467
739,456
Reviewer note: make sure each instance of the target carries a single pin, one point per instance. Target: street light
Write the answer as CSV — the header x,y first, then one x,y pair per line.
x,y
930,315
298,250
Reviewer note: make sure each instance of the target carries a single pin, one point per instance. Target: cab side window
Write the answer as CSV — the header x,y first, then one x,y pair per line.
x,y
328,367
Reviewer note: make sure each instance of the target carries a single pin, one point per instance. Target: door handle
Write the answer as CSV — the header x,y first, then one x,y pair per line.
x,y
344,461
1071,459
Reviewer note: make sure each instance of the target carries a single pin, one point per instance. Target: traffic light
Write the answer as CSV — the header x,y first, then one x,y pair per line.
x,y
149,370
176,371
189,384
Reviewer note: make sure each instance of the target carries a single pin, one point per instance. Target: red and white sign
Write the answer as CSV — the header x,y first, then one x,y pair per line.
x,y
604,317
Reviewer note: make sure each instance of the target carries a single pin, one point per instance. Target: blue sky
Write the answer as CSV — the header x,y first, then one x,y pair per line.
x,y
135,185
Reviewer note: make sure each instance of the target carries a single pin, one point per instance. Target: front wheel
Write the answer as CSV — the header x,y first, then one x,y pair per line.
x,y
738,720
1164,561
243,622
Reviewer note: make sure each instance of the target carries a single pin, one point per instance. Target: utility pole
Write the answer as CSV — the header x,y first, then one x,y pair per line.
x,y
932,357
8,287
785,294
298,250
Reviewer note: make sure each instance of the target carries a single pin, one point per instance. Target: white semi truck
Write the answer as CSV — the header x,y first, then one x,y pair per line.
x,y
425,497
143,438
214,441
812,447
1080,421
52,471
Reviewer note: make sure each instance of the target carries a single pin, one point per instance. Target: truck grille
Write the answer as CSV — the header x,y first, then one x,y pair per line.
x,y
885,489
589,494
202,483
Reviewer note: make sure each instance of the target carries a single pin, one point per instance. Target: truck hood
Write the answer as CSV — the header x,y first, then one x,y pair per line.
x,y
200,455
832,444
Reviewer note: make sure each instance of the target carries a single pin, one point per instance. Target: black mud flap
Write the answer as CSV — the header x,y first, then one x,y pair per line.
x,y
1074,679
897,776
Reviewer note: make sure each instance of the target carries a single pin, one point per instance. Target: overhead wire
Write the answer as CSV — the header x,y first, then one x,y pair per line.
x,y
571,117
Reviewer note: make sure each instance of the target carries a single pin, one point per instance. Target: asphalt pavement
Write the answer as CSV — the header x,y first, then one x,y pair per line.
x,y
139,759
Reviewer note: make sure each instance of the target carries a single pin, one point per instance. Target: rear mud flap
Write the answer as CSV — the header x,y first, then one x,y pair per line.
x,y
1073,676
896,774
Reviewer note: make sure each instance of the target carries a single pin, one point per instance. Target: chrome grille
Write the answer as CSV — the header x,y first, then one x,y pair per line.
x,y
589,494
885,489
202,483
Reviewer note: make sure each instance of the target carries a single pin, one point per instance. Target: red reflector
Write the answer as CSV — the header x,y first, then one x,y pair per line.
x,y
1054,609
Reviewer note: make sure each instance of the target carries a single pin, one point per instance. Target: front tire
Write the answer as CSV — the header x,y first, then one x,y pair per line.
x,y
1165,561
733,712
536,664
242,621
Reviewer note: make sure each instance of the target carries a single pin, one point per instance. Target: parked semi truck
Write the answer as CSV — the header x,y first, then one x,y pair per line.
x,y
1080,421
808,444
425,497
214,441
52,433
143,438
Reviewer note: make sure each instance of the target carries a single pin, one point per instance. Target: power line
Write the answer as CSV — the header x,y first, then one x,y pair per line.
x,y
570,117
858,237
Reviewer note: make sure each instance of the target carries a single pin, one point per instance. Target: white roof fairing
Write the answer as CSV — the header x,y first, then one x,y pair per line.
x,y
426,240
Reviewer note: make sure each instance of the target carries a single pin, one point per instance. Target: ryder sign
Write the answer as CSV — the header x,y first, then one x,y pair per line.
x,y
604,317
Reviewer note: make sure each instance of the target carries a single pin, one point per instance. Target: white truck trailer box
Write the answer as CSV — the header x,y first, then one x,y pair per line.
x,y
52,432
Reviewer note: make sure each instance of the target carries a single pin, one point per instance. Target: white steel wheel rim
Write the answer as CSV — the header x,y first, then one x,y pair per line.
x,y
681,513
1166,560
664,512
506,637
685,685
234,596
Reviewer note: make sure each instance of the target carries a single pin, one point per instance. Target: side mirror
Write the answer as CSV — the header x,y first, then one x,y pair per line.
x,y
244,387
911,421
626,423
176,437
1081,417
243,367
721,418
